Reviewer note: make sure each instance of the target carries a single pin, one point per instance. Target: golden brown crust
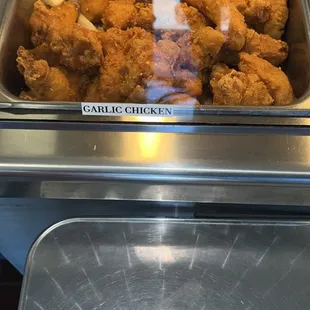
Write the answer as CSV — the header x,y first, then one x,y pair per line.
x,y
230,87
199,49
93,10
227,19
43,18
275,51
274,78
278,18
78,47
45,83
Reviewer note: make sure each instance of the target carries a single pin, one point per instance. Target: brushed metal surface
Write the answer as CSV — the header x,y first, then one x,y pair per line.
x,y
168,264
15,32
214,166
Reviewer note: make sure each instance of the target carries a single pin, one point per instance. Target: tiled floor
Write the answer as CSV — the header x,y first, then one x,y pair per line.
x,y
10,285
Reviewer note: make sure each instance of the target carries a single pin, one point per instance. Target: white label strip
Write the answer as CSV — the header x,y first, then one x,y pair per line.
x,y
127,109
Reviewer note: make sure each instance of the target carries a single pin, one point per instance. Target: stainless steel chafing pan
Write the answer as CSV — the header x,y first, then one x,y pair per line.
x,y
15,32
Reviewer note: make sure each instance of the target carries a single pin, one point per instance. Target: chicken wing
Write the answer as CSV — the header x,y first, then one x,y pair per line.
x,y
230,87
200,48
274,78
78,47
43,18
227,19
93,10
262,45
278,18
45,83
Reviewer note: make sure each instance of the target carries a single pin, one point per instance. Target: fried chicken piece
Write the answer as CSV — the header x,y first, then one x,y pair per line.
x,y
43,18
278,18
45,83
200,48
44,52
126,65
138,69
274,78
126,13
227,19
78,47
93,10
254,11
230,87
116,43
262,45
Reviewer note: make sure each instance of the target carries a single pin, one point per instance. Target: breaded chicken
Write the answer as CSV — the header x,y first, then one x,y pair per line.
x,y
44,52
274,78
78,47
200,48
45,82
93,10
43,18
278,18
262,45
126,13
188,15
230,87
127,62
227,19
254,11
138,69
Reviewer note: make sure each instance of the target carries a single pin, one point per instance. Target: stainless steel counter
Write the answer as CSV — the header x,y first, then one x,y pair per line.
x,y
169,265
198,164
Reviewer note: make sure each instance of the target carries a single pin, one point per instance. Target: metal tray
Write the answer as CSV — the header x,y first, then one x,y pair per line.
x,y
169,264
15,32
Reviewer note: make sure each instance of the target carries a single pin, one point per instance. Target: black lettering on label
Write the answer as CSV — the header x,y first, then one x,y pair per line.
x,y
168,111
153,111
119,109
127,110
86,108
100,109
135,110
147,110
161,111
94,109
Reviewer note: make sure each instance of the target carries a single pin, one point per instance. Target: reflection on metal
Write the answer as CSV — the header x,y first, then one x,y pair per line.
x,y
168,264
195,167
